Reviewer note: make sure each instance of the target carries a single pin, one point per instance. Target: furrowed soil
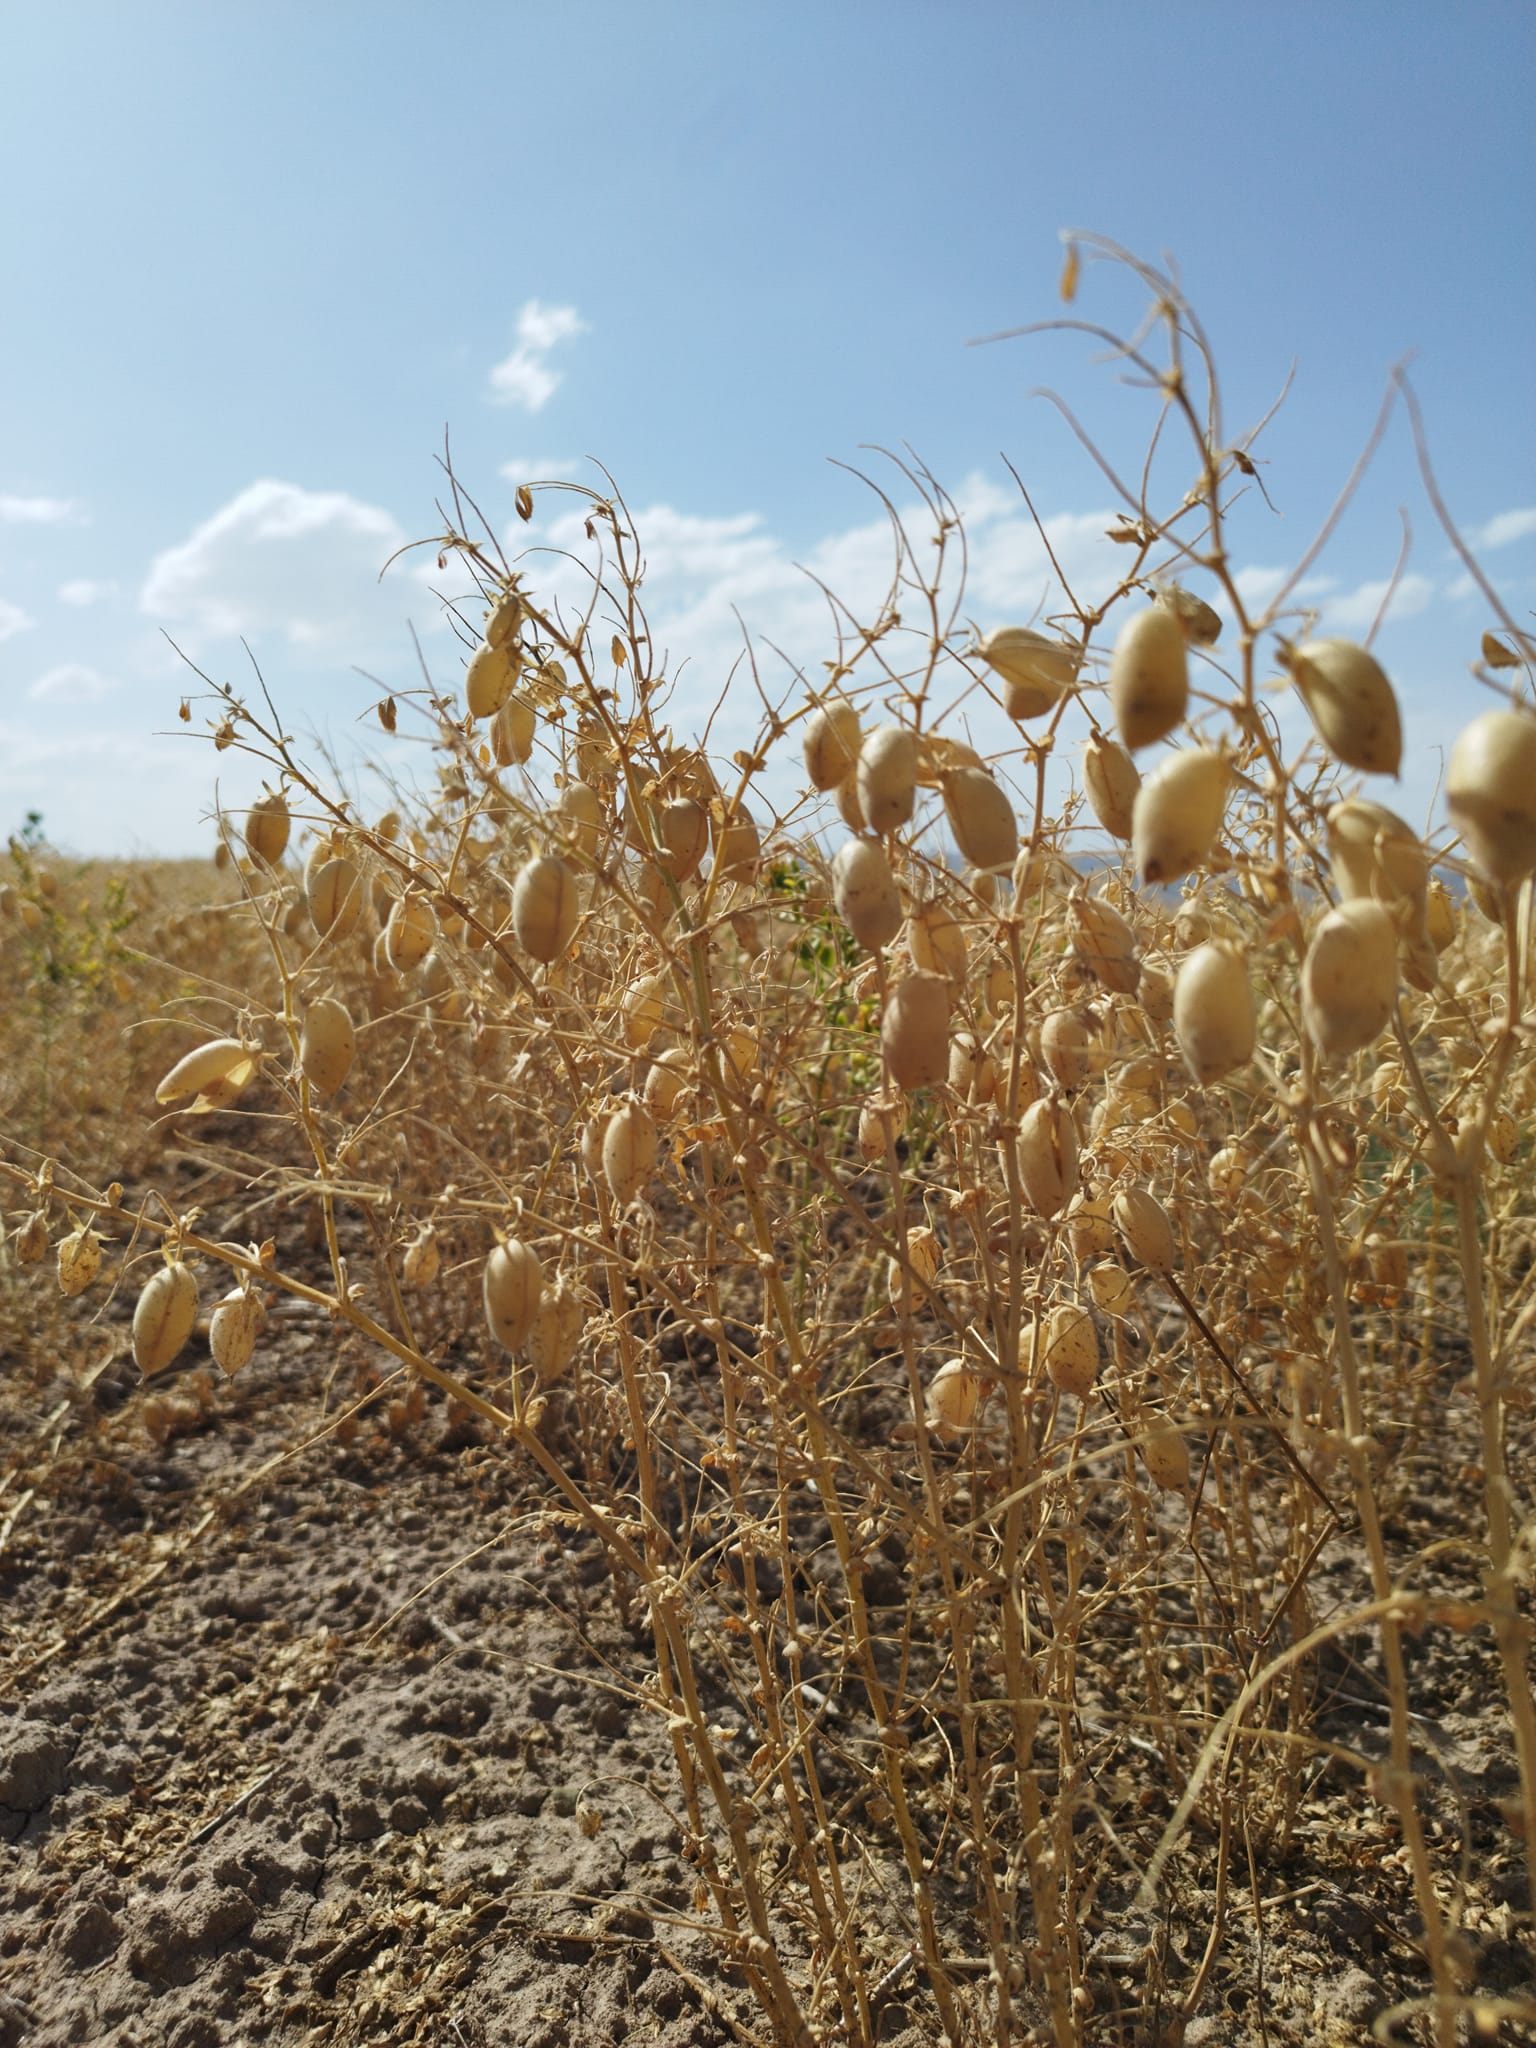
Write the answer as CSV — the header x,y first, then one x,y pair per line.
x,y
344,1735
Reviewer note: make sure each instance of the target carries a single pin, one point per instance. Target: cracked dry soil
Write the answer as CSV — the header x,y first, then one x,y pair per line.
x,y
343,1744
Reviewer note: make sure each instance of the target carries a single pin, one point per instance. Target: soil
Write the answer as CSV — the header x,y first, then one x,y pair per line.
x,y
305,1740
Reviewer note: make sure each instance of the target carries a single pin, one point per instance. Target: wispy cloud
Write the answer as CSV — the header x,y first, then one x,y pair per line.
x,y
280,559
82,591
1505,527
1355,611
524,377
16,511
72,682
12,619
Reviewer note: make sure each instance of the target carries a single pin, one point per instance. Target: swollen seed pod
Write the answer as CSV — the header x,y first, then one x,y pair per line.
x,y
972,1070
1178,813
267,826
1048,1162
422,1259
593,1132
641,1008
1351,704
832,739
1166,1456
980,817
32,1239
1072,1350
327,1045
1036,671
1104,943
737,842
1111,779
233,1328
865,894
1149,676
1349,978
512,732
489,679
163,1317
1503,1136
923,1251
1090,1227
1228,1171
914,1031
936,941
1490,792
207,1065
1439,915
886,778
1201,625
556,1332
954,1393
334,893
409,934
1214,1018
1145,1229
546,907
579,814
1064,1046
666,1081
1154,992
512,1287
1112,1288
683,828
880,1124
849,809
79,1261
505,621
1371,852
629,1150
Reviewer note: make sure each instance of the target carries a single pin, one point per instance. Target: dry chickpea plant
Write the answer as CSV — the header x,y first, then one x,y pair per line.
x,y
975,1258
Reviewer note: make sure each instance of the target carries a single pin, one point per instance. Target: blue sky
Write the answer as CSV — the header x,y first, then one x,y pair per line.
x,y
256,260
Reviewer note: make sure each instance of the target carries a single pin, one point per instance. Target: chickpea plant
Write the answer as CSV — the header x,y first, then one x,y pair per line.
x,y
1056,1232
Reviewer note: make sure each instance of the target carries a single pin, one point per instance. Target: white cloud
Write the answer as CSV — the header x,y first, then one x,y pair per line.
x,y
72,683
524,377
16,511
12,619
1505,527
279,559
524,469
82,591
1356,610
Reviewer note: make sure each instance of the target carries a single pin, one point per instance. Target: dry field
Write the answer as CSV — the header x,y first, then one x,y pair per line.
x,y
628,1416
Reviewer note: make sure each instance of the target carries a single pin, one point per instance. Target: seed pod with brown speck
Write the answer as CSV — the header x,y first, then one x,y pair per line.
x,y
1490,793
923,1251
832,739
1048,1156
980,817
1201,625
163,1317
1104,942
1178,813
936,941
79,1261
546,907
1036,671
1072,1350
1349,978
914,1031
865,893
409,934
1214,1018
1149,676
1111,780
1166,1456
1144,1225
629,1150
422,1258
512,1286
327,1045
556,1332
887,777
953,1396
233,1328
1350,702
334,893
513,730
267,826
683,828
489,679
